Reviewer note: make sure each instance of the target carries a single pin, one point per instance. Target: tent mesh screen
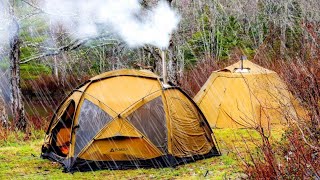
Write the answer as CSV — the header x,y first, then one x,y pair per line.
x,y
150,119
91,120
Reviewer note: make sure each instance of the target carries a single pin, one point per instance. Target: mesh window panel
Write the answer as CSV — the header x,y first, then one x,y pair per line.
x,y
91,120
150,119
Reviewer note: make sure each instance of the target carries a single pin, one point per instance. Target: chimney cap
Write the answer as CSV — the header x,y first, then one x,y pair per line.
x,y
243,57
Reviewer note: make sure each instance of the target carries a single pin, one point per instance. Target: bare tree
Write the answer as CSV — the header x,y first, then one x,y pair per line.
x,y
17,107
3,113
172,65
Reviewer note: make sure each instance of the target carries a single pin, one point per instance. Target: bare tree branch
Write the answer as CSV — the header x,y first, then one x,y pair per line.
x,y
154,54
69,47
34,6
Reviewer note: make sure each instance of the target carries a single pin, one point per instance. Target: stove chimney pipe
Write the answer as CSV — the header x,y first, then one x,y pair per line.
x,y
242,58
164,66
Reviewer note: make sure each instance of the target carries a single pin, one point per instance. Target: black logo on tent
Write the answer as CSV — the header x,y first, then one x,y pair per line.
x,y
118,149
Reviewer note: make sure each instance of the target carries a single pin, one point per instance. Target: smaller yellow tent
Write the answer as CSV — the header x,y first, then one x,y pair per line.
x,y
245,97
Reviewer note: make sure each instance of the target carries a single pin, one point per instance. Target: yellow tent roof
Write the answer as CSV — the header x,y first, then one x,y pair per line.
x,y
123,72
253,68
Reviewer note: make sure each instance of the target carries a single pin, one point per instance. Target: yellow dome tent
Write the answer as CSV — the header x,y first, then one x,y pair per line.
x,y
245,96
127,118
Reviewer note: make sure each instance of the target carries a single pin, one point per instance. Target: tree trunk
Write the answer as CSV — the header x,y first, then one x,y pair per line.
x,y
283,41
283,28
172,66
55,67
3,113
17,107
172,61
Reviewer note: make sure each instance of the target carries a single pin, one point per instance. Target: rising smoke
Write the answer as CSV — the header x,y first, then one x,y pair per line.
x,y
4,42
126,18
4,25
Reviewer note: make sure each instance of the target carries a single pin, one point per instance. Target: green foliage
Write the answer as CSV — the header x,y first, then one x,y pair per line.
x,y
229,37
224,39
33,71
249,52
295,34
190,58
95,68
196,48
33,34
29,51
200,43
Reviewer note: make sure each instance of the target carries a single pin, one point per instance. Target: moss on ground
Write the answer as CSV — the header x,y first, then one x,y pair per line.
x,y
20,159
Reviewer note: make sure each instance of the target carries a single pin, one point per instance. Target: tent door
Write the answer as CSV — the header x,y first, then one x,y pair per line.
x,y
61,133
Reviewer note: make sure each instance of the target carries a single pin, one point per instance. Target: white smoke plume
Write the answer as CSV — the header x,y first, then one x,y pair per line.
x,y
4,24
126,18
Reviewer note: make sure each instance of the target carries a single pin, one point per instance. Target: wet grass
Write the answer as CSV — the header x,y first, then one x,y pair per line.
x,y
20,159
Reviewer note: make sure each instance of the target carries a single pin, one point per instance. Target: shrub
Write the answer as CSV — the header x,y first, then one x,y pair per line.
x,y
297,155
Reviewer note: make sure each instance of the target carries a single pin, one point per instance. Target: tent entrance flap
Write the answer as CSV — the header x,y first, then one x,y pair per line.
x,y
61,133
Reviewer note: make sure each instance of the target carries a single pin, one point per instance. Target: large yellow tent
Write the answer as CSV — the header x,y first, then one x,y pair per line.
x,y
127,118
246,97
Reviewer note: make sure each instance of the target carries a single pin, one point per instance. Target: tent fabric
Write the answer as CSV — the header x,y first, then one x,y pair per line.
x,y
127,118
253,68
131,88
126,72
231,99
188,134
74,97
156,129
91,120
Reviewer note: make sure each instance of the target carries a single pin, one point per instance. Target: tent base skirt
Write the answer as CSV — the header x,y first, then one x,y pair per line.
x,y
159,162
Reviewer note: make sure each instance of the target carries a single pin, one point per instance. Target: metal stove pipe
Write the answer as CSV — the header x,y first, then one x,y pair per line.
x,y
164,67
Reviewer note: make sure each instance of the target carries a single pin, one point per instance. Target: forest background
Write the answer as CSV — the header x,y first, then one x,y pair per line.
x,y
41,61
